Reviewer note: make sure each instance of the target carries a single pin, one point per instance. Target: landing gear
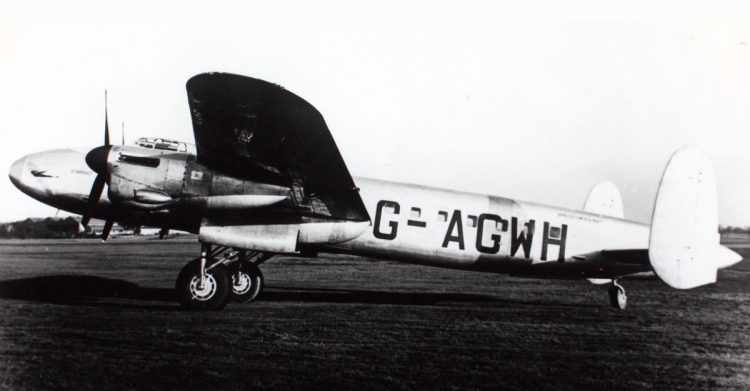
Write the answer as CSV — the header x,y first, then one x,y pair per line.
x,y
218,276
201,289
247,281
617,296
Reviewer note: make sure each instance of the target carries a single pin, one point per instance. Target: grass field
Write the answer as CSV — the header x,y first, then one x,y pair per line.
x,y
85,315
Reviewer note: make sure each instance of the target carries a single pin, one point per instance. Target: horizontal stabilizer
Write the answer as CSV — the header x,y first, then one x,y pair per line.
x,y
604,199
684,248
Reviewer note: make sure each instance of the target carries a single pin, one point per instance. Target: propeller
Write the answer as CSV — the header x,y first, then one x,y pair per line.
x,y
97,161
107,228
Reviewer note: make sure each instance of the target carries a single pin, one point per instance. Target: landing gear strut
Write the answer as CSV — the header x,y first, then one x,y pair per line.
x,y
218,276
617,296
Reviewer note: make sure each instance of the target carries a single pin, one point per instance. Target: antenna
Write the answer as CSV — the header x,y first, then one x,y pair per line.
x,y
123,133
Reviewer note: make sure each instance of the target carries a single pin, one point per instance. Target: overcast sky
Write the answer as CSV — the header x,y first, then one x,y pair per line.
x,y
538,103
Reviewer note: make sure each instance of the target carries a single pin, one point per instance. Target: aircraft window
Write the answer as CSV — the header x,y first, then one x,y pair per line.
x,y
472,220
416,213
139,160
554,232
162,144
442,216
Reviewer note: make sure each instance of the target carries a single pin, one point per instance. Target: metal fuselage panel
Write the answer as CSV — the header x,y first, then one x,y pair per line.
x,y
473,231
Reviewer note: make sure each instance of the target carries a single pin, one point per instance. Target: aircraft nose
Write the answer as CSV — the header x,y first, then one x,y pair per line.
x,y
17,171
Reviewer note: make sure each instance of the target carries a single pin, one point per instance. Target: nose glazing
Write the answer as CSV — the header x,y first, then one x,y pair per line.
x,y
17,170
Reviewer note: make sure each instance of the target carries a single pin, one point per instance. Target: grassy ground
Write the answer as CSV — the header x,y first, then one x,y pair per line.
x,y
86,315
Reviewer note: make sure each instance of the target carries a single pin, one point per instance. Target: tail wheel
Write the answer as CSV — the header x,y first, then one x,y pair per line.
x,y
617,297
212,293
247,282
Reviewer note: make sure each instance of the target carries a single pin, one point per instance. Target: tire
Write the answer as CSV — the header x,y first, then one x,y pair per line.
x,y
215,292
246,283
617,297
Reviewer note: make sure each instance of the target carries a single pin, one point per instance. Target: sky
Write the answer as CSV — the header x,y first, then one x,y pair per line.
x,y
537,101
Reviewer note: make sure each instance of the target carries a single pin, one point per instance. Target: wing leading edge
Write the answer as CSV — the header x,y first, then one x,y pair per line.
x,y
257,130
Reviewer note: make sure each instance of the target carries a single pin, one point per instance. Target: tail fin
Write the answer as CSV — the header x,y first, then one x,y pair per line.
x,y
604,199
684,248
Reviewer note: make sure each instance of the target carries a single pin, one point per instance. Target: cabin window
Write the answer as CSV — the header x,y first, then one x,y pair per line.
x,y
442,215
472,220
416,213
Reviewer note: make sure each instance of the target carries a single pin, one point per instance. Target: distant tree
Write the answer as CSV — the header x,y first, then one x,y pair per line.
x,y
48,228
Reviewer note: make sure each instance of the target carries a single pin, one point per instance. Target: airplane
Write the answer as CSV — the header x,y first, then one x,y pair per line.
x,y
265,177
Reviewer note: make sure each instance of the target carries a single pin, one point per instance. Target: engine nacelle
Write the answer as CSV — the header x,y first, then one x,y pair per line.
x,y
282,238
155,179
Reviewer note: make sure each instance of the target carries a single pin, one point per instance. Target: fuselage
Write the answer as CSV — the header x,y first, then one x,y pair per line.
x,y
411,223
474,231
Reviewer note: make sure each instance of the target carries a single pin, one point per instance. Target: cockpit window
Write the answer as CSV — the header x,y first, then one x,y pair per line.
x,y
161,143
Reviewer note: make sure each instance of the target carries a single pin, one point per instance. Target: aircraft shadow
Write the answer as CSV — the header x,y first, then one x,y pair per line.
x,y
84,290
327,295
100,291
356,296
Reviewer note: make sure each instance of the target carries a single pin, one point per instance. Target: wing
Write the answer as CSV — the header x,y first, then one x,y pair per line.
x,y
256,130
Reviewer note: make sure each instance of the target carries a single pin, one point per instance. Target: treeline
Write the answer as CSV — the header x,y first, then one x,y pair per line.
x,y
48,228
728,229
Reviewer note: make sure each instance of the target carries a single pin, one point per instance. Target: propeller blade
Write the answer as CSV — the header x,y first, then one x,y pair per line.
x,y
85,221
106,121
94,195
107,228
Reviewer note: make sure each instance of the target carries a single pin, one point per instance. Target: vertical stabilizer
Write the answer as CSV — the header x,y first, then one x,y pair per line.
x,y
684,245
605,199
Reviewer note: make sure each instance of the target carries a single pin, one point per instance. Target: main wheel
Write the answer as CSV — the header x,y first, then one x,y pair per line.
x,y
617,296
212,294
247,282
